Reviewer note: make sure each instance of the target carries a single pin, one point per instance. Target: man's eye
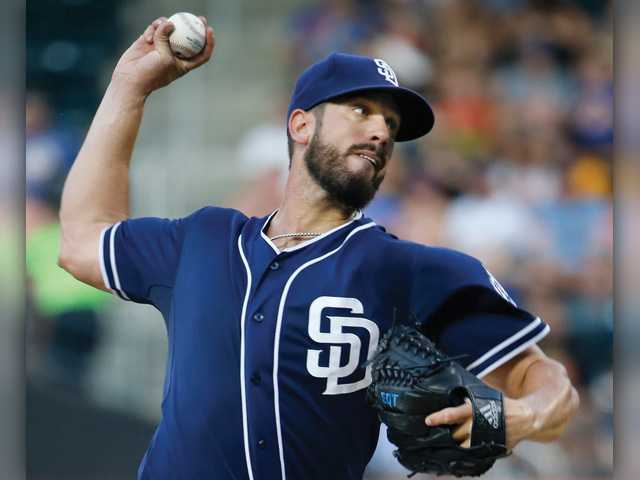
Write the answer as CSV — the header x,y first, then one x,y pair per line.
x,y
359,110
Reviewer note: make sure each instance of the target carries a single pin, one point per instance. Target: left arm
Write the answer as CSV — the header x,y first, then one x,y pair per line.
x,y
539,400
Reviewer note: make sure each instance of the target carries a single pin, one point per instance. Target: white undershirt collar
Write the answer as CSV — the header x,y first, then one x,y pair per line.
x,y
356,216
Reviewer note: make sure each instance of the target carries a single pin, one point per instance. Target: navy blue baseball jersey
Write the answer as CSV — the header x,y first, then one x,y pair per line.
x,y
265,376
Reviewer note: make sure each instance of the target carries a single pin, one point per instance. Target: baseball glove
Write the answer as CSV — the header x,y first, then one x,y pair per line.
x,y
412,379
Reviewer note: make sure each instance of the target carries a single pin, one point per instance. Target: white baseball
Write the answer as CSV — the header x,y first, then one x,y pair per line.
x,y
189,35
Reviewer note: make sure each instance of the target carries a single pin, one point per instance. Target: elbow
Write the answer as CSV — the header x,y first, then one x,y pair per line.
x,y
571,402
78,253
65,245
553,420
571,397
574,402
65,257
68,253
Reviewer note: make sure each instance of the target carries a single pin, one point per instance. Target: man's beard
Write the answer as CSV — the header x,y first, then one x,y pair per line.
x,y
347,190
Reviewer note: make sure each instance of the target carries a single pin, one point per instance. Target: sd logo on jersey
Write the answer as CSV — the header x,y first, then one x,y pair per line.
x,y
339,339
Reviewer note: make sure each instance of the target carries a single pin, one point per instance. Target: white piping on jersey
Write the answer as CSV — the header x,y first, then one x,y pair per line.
x,y
264,236
245,427
357,216
505,343
276,346
112,256
116,288
515,352
103,268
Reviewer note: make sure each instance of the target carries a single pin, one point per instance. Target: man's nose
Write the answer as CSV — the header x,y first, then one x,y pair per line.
x,y
378,131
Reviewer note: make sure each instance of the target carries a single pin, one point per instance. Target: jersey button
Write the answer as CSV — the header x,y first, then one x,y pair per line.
x,y
255,379
258,317
262,443
274,266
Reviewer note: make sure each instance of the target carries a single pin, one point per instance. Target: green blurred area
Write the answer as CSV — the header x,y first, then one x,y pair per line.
x,y
56,291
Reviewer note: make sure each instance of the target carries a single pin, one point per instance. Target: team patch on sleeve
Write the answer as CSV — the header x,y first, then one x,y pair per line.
x,y
108,265
499,288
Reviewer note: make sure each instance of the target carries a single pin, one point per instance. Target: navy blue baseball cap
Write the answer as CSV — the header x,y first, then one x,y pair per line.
x,y
342,73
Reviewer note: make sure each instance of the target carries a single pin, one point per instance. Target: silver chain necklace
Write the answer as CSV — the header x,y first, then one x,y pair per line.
x,y
304,234
299,234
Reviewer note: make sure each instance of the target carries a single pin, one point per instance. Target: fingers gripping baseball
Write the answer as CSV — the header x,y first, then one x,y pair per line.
x,y
161,40
161,37
149,63
151,29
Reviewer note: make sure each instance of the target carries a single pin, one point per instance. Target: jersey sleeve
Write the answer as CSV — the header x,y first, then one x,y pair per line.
x,y
473,315
489,340
138,254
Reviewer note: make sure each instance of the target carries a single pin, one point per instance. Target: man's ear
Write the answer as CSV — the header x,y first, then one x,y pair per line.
x,y
301,126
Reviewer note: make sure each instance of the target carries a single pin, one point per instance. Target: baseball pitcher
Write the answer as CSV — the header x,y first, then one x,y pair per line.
x,y
291,337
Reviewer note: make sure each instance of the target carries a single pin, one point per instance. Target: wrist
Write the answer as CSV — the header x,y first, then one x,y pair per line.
x,y
124,90
520,421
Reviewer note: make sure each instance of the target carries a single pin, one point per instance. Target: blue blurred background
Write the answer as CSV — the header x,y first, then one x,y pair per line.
x,y
517,172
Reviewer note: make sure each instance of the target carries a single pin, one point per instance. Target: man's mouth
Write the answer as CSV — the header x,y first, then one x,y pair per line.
x,y
371,158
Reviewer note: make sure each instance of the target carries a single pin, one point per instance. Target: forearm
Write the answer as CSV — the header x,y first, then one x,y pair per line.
x,y
96,193
97,188
542,401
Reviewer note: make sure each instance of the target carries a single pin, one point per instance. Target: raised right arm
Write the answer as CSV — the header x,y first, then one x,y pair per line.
x,y
96,192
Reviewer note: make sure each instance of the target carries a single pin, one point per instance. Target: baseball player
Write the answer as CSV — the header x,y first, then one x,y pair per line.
x,y
270,320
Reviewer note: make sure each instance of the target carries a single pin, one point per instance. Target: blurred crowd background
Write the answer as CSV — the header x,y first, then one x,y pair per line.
x,y
516,172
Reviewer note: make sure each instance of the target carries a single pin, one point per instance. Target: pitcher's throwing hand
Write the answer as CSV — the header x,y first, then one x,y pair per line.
x,y
149,64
